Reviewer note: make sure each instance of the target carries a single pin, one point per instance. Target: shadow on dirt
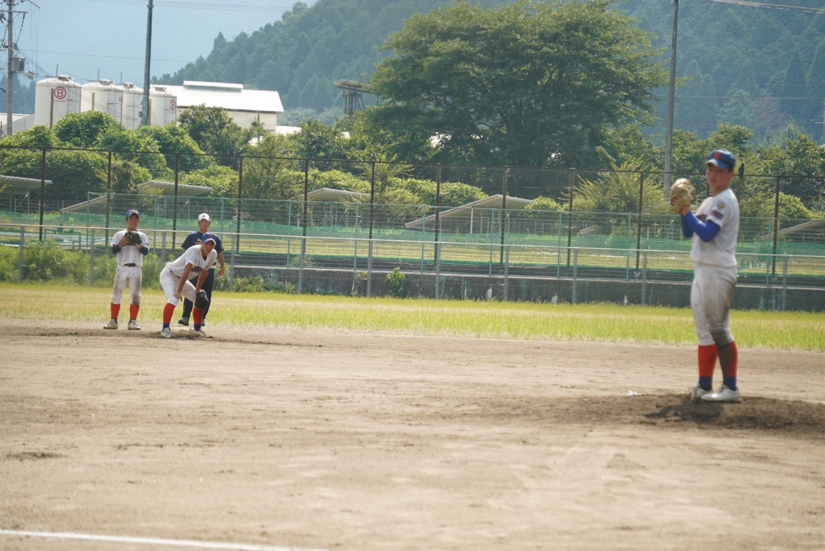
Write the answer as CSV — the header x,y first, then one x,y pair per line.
x,y
788,417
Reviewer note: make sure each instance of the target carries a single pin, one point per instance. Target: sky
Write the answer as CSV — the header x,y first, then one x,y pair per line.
x,y
92,39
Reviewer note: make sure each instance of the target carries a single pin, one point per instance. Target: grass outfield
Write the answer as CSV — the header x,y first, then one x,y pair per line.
x,y
594,322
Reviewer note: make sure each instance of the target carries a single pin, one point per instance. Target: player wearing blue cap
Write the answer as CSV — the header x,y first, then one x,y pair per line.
x,y
715,230
175,278
129,246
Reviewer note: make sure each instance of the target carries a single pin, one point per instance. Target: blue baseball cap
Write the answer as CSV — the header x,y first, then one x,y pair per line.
x,y
132,212
209,237
722,158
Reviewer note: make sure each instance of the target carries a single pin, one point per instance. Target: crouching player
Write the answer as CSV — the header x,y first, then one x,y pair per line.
x,y
175,280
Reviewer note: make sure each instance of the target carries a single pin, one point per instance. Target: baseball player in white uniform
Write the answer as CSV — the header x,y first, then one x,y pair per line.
x,y
715,230
175,278
129,246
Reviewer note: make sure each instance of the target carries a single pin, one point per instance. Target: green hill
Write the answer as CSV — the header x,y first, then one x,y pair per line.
x,y
745,65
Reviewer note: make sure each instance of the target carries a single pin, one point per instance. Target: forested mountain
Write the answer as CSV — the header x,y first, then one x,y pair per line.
x,y
750,66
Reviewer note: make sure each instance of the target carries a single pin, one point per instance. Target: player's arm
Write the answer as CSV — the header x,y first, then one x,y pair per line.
x,y
144,246
222,263
705,230
201,278
116,246
183,279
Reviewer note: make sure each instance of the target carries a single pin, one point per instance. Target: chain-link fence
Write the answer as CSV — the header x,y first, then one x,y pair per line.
x,y
337,226
360,266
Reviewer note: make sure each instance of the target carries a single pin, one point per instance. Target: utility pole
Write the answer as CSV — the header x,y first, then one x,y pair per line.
x,y
10,77
671,96
146,72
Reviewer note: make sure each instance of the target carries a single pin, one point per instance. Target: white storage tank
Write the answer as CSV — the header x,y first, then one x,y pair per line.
x,y
54,98
103,95
164,106
132,106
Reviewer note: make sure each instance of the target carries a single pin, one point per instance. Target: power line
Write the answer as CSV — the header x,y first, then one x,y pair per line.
x,y
818,11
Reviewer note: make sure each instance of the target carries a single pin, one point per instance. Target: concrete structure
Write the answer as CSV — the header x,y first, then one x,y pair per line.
x,y
132,106
19,123
475,217
54,98
163,106
103,95
243,106
152,187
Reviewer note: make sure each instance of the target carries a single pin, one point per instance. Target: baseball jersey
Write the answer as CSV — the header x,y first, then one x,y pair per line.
x,y
130,254
195,238
722,210
193,256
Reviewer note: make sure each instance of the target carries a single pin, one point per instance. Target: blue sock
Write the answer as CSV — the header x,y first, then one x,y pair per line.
x,y
706,382
166,326
197,327
731,383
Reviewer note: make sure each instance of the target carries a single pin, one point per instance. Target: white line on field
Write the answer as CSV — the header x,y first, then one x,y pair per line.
x,y
148,541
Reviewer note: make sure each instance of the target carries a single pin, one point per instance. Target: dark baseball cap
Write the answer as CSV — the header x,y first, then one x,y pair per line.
x,y
132,212
209,237
722,158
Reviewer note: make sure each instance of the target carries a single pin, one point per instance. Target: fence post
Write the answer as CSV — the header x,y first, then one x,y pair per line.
x,y
22,266
175,201
437,231
92,257
108,194
570,216
503,214
784,281
644,280
304,222
437,271
42,186
575,273
369,269
639,219
372,197
775,225
506,271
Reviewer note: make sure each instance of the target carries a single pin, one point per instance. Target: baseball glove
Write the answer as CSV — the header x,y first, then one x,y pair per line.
x,y
201,301
682,194
134,237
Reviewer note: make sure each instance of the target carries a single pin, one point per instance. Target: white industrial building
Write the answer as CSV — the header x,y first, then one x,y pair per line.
x,y
243,106
60,96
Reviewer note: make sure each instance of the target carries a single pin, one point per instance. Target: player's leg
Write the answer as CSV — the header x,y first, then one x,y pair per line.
x,y
707,348
721,288
135,287
187,312
208,285
117,295
197,313
169,283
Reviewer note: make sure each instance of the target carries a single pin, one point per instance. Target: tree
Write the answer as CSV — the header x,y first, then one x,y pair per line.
x,y
528,84
216,133
173,139
85,129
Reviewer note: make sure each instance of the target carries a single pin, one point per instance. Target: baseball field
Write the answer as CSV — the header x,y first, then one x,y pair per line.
x,y
299,427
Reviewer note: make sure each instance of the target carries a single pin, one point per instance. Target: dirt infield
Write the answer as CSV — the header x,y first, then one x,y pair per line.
x,y
333,440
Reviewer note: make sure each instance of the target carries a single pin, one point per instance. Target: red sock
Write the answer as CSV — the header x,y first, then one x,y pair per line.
x,y
115,310
197,313
729,358
707,360
133,311
168,311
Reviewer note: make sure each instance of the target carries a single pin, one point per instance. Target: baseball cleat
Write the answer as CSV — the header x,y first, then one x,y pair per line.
x,y
200,333
696,394
725,394
133,326
167,334
184,321
111,325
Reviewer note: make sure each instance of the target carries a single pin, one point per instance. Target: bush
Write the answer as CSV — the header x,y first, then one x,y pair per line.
x,y
9,259
396,283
